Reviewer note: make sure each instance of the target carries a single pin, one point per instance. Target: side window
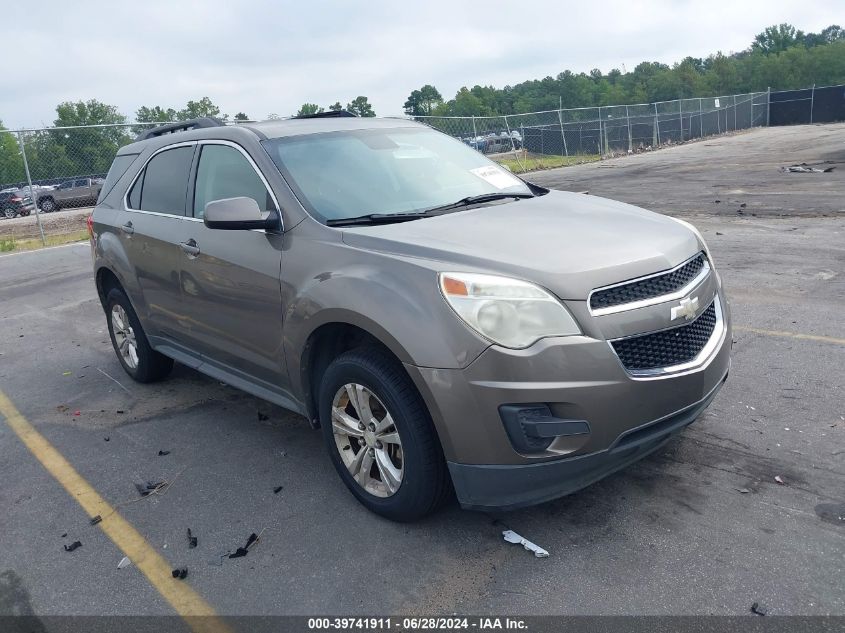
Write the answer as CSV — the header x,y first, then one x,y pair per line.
x,y
163,185
81,183
224,172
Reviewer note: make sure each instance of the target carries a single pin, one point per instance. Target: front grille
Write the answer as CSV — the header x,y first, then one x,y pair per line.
x,y
667,347
649,288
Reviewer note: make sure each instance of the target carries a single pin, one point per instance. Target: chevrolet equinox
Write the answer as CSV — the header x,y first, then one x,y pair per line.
x,y
446,324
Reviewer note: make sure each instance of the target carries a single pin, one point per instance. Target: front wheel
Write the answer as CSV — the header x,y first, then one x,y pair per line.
x,y
134,352
9,213
380,436
48,205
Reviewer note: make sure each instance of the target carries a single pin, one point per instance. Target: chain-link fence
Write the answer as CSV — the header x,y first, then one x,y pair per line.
x,y
606,130
53,169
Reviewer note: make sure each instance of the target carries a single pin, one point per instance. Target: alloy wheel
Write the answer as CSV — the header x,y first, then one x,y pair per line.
x,y
124,336
367,440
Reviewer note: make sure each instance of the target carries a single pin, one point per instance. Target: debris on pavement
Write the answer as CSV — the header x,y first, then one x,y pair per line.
x,y
804,168
64,535
759,609
192,540
744,491
149,487
780,480
181,573
95,520
106,438
512,537
243,551
163,453
124,562
73,546
277,489
217,561
62,408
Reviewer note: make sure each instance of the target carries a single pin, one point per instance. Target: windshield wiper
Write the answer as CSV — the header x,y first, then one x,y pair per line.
x,y
391,218
378,218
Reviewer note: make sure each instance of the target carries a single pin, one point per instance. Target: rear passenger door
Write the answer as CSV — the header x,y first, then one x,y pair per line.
x,y
150,229
230,278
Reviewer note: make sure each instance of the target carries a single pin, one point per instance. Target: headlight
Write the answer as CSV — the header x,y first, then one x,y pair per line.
x,y
510,312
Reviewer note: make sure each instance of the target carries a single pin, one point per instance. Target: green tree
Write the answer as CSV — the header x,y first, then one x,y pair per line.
x,y
197,109
360,106
11,161
777,38
240,116
79,151
422,102
308,108
336,107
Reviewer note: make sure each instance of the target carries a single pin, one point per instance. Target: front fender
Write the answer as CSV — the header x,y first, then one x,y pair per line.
x,y
396,302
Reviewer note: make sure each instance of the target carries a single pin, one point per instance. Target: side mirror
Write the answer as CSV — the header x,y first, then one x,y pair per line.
x,y
239,214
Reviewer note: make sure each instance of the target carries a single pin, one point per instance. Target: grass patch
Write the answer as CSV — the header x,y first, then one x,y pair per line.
x,y
533,162
11,244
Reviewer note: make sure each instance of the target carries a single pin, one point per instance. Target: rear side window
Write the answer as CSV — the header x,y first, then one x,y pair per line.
x,y
224,172
116,171
163,185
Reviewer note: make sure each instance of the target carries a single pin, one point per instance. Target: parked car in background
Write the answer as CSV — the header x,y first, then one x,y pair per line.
x,y
14,202
79,192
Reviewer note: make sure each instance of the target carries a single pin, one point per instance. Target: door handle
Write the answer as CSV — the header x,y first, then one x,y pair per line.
x,y
128,228
190,248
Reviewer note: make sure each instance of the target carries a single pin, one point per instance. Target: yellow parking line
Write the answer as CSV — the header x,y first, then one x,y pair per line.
x,y
184,600
797,335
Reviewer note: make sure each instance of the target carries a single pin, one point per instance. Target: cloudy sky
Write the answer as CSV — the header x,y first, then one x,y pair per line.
x,y
270,57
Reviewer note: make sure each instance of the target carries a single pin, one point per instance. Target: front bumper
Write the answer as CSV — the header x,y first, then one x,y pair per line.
x,y
507,487
578,378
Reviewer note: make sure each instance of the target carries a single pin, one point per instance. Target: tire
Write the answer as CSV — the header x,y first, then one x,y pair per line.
x,y
9,213
139,360
48,205
424,481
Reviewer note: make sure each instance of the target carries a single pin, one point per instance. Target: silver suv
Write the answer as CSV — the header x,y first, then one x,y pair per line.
x,y
446,324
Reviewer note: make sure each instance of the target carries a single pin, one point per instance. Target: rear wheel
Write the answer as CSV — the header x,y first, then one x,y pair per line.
x,y
380,436
134,352
9,213
47,205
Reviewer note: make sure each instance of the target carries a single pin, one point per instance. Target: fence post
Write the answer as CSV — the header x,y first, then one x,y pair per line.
x,y
630,140
513,146
657,124
601,137
700,118
681,117
31,190
474,133
562,134
768,104
734,113
812,102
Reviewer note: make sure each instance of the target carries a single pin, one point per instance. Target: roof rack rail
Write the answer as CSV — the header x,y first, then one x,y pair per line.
x,y
327,115
180,126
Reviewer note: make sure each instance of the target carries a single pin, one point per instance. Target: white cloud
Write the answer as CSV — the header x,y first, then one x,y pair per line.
x,y
263,57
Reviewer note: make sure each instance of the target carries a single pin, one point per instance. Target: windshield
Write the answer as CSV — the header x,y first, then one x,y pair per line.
x,y
353,173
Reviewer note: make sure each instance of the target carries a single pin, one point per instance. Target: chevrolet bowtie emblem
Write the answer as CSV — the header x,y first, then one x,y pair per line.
x,y
687,309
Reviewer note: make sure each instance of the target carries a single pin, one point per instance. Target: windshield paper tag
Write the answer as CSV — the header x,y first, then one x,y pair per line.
x,y
496,176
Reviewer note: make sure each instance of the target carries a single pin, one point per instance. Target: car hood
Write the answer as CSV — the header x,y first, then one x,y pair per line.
x,y
567,242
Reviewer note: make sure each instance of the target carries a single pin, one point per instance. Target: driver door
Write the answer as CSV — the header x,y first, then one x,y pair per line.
x,y
230,279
